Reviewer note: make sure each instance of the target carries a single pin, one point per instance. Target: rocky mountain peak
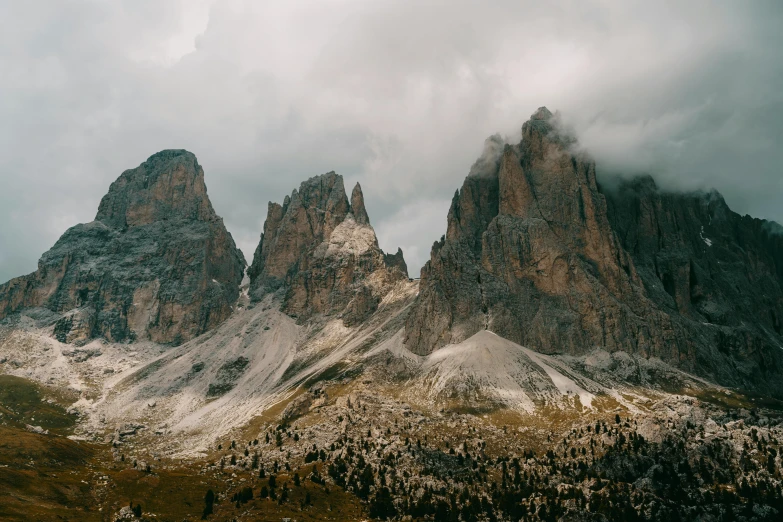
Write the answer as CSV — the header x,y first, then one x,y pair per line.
x,y
487,164
544,135
542,113
157,263
321,252
304,220
396,261
357,206
516,239
169,185
542,255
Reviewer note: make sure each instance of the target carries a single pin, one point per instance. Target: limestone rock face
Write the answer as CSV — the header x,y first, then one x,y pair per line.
x,y
533,253
528,254
357,206
718,275
305,220
396,260
157,263
320,251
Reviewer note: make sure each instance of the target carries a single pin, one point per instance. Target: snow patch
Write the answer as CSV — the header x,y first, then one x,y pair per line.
x,y
706,240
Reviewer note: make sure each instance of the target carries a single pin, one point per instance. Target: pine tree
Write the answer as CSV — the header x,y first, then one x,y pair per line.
x,y
382,505
245,495
209,500
367,481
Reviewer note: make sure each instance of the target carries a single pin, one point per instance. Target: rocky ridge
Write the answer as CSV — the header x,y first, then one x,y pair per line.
x,y
157,263
329,412
319,250
717,274
537,252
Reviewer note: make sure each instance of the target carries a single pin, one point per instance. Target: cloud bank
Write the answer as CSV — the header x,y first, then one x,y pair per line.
x,y
398,95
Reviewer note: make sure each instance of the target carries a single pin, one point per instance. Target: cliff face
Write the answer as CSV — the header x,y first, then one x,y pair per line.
x,y
321,252
717,274
157,263
534,252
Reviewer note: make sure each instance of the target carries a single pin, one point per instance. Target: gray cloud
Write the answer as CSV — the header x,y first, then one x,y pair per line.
x,y
397,95
487,164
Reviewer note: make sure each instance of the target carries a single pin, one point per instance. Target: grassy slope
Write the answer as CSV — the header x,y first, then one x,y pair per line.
x,y
51,477
41,475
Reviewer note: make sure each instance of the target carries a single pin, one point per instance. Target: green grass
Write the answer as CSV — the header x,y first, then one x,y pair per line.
x,y
51,477
326,503
736,400
41,477
25,402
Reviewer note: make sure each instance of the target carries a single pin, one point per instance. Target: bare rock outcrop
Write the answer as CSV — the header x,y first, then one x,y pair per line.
x,y
717,274
156,263
320,251
534,253
357,206
396,260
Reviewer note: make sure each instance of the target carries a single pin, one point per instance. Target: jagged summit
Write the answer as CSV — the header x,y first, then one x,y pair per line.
x,y
518,245
157,262
169,185
545,128
321,250
487,164
357,206
534,252
396,260
691,252
304,220
542,113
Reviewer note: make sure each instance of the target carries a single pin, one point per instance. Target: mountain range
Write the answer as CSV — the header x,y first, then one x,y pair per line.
x,y
557,296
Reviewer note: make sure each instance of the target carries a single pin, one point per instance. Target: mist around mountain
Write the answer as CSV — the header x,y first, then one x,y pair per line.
x,y
577,348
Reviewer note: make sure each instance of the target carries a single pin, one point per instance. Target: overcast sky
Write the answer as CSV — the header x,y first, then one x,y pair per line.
x,y
398,95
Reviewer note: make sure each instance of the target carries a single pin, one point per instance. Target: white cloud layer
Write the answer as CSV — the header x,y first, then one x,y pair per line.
x,y
399,95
